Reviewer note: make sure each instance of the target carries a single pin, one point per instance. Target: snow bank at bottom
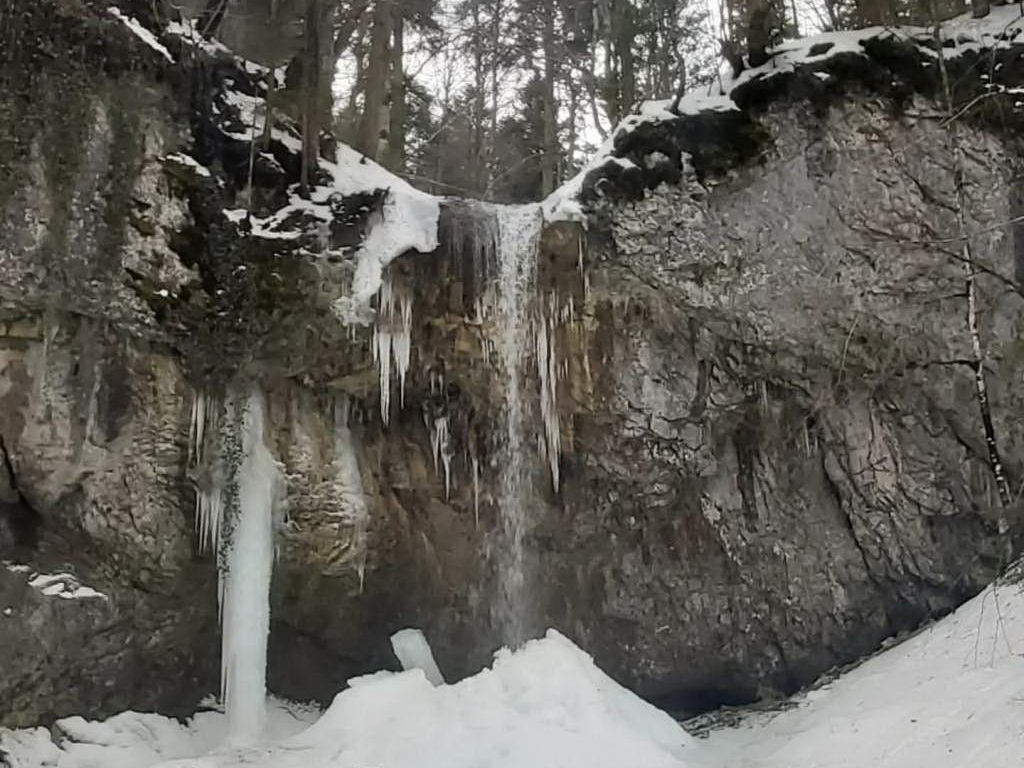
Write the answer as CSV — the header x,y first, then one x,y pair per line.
x,y
952,696
545,706
137,739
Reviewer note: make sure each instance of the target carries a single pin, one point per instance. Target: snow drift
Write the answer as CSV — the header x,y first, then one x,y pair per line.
x,y
545,706
949,697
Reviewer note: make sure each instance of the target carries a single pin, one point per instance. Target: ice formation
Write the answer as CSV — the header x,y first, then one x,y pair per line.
x,y
206,470
547,370
245,586
413,652
392,338
441,446
237,483
348,482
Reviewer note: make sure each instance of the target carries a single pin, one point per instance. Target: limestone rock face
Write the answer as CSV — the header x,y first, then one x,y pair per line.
x,y
771,450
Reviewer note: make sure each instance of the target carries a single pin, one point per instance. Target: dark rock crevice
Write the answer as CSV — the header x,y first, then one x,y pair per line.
x,y
17,515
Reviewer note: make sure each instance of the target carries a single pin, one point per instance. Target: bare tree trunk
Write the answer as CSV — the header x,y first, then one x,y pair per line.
x,y
372,122
970,277
211,17
311,62
479,97
549,162
395,159
624,33
875,13
496,44
350,23
590,82
759,24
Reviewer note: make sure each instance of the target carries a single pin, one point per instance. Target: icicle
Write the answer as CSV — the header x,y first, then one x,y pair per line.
x,y
476,490
348,483
547,368
392,339
440,442
197,423
402,342
382,346
206,472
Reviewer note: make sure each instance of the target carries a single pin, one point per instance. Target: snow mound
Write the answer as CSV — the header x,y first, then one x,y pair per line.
x,y
544,706
952,696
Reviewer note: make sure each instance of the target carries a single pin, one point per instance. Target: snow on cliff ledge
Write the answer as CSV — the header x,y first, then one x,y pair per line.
x,y
1002,28
408,217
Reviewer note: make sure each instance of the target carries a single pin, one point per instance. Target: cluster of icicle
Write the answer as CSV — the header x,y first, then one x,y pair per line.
x,y
209,491
348,482
392,338
235,505
547,370
508,235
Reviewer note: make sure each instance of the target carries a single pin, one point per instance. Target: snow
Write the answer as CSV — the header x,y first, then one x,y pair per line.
x,y
188,31
137,740
413,652
407,222
544,706
948,697
66,586
952,696
141,32
188,161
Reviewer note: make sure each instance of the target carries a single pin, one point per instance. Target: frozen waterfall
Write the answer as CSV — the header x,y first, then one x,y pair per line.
x,y
245,599
235,512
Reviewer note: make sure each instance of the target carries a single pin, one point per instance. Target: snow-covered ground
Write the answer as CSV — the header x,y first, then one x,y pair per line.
x,y
952,696
137,740
545,706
